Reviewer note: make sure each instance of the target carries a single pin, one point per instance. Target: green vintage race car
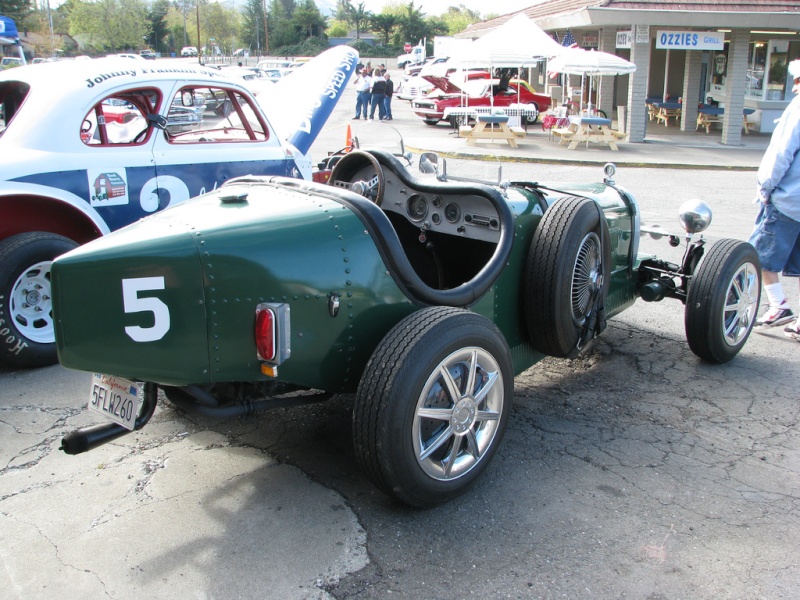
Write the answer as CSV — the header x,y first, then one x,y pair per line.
x,y
422,294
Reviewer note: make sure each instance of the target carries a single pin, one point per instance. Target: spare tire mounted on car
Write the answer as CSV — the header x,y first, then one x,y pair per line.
x,y
567,276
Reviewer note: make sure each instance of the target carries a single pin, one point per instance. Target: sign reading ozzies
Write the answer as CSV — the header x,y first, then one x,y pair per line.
x,y
690,40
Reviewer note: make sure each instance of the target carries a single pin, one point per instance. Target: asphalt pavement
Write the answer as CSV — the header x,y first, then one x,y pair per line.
x,y
634,471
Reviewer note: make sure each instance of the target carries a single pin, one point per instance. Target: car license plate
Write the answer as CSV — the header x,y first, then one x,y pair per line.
x,y
116,398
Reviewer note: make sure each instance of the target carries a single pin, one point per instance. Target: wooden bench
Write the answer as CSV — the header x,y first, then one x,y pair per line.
x,y
563,133
518,132
464,131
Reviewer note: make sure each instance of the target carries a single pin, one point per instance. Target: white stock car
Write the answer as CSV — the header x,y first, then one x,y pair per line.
x,y
91,146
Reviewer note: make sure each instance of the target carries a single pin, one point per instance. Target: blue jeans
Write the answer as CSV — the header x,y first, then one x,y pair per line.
x,y
776,238
377,101
387,107
362,103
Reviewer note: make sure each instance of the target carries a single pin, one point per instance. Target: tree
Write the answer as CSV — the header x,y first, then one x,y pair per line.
x,y
359,16
412,24
308,19
252,33
15,9
157,16
110,25
384,23
281,30
458,18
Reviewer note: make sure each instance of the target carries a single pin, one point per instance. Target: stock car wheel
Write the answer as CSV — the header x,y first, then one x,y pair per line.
x,y
27,335
433,404
722,302
567,268
430,121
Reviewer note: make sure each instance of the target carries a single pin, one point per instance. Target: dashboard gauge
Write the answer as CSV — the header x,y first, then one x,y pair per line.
x,y
452,212
437,201
416,207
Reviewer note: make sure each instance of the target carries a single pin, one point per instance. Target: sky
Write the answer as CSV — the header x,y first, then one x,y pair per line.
x,y
436,7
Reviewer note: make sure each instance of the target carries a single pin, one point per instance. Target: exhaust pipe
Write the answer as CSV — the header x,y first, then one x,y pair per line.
x,y
88,438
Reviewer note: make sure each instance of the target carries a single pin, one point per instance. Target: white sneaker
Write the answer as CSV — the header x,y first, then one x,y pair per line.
x,y
776,316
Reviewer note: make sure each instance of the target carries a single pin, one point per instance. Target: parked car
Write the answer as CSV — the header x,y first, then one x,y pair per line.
x,y
423,296
189,51
148,54
476,92
8,62
413,86
128,140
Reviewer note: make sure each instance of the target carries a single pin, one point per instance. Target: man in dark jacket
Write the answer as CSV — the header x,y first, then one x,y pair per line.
x,y
387,99
378,93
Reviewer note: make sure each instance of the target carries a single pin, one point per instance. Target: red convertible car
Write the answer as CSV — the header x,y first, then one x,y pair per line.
x,y
477,92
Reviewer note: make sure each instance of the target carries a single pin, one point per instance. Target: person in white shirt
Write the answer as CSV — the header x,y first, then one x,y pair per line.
x,y
776,236
363,86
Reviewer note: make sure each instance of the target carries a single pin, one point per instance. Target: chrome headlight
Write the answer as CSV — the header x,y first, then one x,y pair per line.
x,y
695,216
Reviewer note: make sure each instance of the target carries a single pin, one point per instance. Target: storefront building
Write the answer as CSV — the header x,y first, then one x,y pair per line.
x,y
731,55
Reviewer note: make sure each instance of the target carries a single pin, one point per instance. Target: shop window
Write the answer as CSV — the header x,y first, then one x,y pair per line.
x,y
756,67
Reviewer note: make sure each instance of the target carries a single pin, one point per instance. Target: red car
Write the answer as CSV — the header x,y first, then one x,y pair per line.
x,y
476,92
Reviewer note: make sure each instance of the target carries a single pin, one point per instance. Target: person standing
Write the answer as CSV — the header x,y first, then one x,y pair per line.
x,y
378,89
387,99
363,85
776,235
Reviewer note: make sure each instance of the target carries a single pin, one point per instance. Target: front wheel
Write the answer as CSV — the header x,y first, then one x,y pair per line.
x,y
433,404
723,299
430,121
27,334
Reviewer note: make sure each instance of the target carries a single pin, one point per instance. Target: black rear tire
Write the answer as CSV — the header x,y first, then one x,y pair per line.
x,y
722,302
27,333
433,404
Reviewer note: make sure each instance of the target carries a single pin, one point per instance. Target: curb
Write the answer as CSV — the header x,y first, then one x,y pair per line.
x,y
582,162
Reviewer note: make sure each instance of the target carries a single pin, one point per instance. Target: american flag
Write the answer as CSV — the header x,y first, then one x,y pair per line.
x,y
569,40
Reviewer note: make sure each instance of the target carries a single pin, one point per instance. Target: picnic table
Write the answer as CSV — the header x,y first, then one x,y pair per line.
x,y
708,115
596,130
664,111
491,127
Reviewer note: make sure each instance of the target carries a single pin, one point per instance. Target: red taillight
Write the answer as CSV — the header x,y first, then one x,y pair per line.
x,y
265,333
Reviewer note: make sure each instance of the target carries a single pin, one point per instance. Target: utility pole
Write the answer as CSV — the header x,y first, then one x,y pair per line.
x,y
199,45
266,29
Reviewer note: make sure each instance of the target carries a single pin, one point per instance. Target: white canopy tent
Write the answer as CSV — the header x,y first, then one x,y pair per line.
x,y
517,43
575,61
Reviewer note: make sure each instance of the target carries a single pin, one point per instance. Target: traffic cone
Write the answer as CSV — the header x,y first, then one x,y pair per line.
x,y
348,141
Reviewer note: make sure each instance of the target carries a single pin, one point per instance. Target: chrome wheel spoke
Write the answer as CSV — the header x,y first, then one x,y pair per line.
x,y
443,437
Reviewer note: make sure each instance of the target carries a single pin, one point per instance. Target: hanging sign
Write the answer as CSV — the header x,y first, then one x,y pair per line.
x,y
642,34
690,40
624,39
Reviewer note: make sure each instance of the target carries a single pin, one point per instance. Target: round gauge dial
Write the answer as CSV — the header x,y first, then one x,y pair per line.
x,y
416,207
452,212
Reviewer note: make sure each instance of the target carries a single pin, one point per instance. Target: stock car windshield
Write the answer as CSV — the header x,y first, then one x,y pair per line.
x,y
12,95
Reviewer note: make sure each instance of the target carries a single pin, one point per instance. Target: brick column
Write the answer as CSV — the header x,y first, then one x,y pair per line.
x,y
637,90
734,87
605,88
691,85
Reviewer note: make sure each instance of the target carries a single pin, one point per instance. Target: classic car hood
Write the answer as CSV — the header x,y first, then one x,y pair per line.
x,y
443,83
300,103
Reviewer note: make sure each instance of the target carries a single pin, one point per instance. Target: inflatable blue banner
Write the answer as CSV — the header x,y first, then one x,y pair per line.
x,y
8,31
307,96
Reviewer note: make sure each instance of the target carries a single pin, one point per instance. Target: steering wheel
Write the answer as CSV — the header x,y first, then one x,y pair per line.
x,y
361,173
